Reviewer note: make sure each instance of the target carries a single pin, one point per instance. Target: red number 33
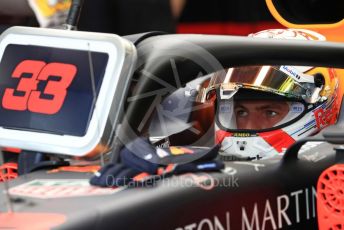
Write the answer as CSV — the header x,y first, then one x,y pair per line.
x,y
31,98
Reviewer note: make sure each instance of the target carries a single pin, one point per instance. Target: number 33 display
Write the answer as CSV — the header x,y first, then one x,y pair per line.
x,y
31,73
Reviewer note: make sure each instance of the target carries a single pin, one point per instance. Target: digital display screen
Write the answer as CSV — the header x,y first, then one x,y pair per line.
x,y
50,90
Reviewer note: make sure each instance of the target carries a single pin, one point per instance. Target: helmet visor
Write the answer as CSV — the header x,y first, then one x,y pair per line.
x,y
282,80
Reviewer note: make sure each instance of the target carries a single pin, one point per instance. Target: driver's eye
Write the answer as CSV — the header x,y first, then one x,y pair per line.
x,y
271,113
241,113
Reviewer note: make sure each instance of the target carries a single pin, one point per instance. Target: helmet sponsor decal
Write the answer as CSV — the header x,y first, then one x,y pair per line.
x,y
244,135
324,116
225,108
296,108
291,72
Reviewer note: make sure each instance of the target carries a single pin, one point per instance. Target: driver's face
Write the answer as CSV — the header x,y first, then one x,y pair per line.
x,y
261,114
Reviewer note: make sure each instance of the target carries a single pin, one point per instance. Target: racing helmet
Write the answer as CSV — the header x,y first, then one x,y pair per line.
x,y
262,110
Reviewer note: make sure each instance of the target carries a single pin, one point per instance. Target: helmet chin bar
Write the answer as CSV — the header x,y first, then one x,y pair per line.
x,y
242,148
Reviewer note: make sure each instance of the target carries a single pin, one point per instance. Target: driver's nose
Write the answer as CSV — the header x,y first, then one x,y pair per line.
x,y
253,122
